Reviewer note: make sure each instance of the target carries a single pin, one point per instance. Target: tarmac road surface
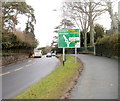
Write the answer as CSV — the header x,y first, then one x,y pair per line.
x,y
99,79
18,77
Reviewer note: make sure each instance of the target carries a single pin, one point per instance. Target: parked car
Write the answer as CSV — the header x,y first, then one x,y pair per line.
x,y
48,55
53,54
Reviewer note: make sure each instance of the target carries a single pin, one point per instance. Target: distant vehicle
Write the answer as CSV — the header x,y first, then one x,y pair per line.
x,y
48,55
37,54
53,54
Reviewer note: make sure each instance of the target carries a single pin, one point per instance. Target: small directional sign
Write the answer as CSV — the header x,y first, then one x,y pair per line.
x,y
69,38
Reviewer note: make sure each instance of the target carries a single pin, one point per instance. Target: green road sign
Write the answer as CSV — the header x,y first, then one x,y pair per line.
x,y
69,38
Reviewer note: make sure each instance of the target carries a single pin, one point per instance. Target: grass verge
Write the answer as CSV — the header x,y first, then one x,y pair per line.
x,y
54,85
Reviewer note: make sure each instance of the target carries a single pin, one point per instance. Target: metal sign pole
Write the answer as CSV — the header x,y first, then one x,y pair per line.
x,y
63,56
75,55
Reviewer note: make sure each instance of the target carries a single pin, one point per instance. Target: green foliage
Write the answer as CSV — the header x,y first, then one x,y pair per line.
x,y
11,37
118,26
8,40
65,23
10,12
99,31
108,46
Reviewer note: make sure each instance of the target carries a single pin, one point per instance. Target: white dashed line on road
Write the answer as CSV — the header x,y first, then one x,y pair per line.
x,y
4,73
29,60
18,68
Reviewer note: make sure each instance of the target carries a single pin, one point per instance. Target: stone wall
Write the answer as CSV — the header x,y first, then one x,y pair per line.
x,y
5,60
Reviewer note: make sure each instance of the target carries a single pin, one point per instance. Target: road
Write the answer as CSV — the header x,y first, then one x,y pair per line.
x,y
99,79
18,77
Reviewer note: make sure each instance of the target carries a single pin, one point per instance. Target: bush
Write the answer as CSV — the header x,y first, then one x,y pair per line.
x,y
108,46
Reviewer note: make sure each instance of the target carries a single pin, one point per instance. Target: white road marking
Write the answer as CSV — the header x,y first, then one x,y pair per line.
x,y
2,67
27,65
33,63
29,60
4,73
18,68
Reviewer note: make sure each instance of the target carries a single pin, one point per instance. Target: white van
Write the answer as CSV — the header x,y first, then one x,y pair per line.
x,y
37,54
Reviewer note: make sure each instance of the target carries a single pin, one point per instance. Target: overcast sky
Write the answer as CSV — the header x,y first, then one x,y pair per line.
x,y
47,19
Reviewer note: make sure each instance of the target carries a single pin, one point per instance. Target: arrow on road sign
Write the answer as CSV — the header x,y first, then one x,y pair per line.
x,y
66,40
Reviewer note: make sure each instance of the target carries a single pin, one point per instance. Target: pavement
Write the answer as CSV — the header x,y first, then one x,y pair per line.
x,y
18,77
99,79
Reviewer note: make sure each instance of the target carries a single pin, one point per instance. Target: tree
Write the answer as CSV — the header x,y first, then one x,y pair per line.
x,y
113,17
99,31
86,10
118,26
79,18
48,49
10,13
54,44
64,24
54,41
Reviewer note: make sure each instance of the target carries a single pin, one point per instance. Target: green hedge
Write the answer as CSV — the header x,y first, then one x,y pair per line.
x,y
79,50
108,46
11,41
12,52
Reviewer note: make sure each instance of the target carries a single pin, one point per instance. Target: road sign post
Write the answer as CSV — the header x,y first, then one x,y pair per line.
x,y
69,38
75,55
63,56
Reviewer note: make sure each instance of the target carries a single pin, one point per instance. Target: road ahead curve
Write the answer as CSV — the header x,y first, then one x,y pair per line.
x,y
99,79
16,78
